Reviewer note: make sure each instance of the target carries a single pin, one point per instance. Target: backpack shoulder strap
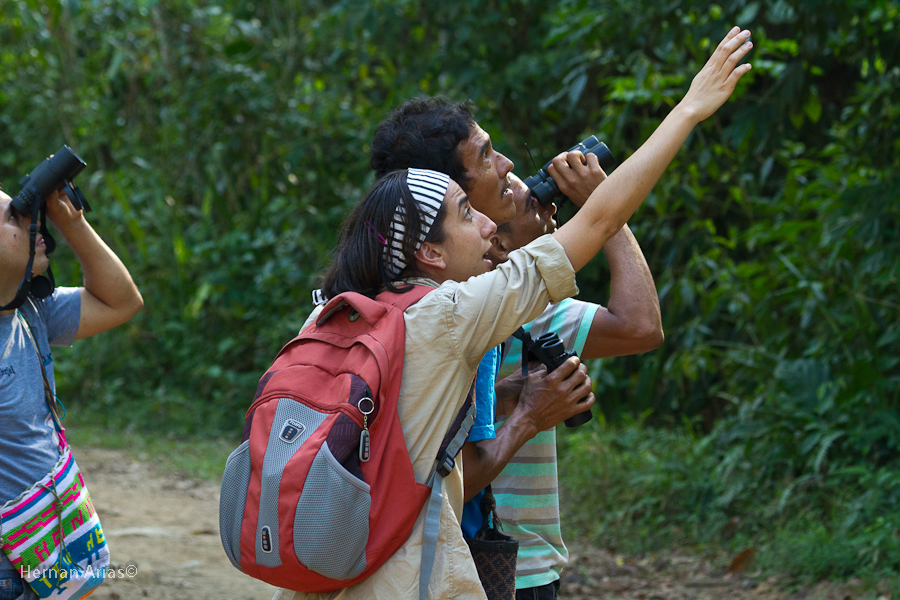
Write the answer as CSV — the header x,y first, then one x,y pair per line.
x,y
372,309
405,299
453,441
456,435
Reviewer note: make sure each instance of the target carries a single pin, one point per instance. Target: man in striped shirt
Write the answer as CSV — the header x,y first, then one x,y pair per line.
x,y
439,134
442,135
526,491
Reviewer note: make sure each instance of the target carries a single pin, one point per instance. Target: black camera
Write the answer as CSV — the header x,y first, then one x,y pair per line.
x,y
545,190
549,350
55,173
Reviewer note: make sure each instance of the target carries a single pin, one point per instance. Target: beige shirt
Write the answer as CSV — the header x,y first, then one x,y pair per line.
x,y
448,332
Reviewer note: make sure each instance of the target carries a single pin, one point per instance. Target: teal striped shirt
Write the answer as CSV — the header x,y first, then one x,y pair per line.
x,y
527,490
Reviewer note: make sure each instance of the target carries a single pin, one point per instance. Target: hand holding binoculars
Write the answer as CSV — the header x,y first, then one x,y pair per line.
x,y
545,190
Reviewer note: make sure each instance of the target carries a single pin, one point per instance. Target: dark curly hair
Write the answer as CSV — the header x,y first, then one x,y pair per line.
x,y
424,133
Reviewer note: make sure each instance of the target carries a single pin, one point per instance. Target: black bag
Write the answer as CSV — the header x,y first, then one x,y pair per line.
x,y
494,553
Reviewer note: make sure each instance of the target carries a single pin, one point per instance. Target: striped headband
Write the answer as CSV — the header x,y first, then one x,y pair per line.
x,y
428,189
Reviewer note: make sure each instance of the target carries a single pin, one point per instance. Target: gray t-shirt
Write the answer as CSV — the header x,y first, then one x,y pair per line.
x,y
28,441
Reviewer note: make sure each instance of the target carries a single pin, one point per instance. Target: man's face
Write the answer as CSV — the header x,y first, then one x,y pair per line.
x,y
531,221
488,172
15,242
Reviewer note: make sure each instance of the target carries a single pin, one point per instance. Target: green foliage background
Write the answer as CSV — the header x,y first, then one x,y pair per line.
x,y
227,139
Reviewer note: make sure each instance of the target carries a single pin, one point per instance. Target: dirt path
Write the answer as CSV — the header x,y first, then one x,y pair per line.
x,y
167,529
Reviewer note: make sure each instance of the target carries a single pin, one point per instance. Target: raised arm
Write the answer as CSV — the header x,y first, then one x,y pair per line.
x,y
631,323
109,296
616,199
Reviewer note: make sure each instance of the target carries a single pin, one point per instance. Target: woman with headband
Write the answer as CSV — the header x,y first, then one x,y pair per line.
x,y
417,227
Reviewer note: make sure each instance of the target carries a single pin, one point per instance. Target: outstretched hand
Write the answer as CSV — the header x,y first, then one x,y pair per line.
x,y
715,82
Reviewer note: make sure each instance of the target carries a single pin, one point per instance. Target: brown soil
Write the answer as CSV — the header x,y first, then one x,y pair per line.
x,y
595,574
166,528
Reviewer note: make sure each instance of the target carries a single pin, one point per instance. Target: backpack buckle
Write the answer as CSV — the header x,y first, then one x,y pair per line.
x,y
446,465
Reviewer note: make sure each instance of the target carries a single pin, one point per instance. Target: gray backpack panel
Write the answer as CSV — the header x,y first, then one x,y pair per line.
x,y
232,501
292,425
331,526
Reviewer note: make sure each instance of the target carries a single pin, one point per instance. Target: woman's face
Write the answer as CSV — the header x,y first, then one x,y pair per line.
x,y
467,238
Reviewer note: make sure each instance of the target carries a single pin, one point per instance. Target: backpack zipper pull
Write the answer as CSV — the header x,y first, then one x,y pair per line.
x,y
365,447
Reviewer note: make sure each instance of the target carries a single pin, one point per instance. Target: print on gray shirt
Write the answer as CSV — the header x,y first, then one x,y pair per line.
x,y
28,447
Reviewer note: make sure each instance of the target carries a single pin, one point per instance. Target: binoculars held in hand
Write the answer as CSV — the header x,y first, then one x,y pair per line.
x,y
549,350
545,190
54,173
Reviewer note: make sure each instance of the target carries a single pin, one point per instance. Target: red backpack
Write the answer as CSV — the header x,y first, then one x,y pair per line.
x,y
321,491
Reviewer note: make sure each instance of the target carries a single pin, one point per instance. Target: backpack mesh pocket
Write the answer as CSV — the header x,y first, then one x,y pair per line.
x,y
331,525
233,498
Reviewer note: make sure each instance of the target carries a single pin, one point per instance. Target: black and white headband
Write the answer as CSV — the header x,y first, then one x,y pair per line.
x,y
428,189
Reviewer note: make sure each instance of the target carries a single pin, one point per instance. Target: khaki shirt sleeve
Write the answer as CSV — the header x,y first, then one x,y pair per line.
x,y
482,312
549,258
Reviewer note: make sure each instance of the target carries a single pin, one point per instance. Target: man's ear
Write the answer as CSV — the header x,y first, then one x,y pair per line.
x,y
499,253
431,256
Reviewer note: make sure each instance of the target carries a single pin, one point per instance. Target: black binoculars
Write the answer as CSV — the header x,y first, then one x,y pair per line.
x,y
550,351
54,173
545,190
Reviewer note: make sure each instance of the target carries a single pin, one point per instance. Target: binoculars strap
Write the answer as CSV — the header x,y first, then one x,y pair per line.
x,y
25,286
527,344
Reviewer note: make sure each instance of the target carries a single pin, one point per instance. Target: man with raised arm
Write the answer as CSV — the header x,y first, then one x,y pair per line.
x,y
630,324
438,134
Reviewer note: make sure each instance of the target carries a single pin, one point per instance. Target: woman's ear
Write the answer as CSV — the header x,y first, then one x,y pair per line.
x,y
431,256
499,253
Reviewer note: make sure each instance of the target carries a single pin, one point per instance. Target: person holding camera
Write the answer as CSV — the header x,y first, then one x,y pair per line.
x,y
28,439
442,135
630,324
439,134
526,490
